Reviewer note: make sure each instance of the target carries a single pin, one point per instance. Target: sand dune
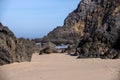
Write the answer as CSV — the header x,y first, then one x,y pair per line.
x,y
61,67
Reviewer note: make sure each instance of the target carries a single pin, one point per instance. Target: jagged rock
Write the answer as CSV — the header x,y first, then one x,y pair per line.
x,y
11,48
102,29
7,45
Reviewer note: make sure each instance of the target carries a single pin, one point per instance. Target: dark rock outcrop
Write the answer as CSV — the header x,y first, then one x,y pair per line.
x,y
11,48
102,29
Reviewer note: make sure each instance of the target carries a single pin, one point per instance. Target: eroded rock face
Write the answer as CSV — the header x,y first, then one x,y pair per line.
x,y
102,29
12,49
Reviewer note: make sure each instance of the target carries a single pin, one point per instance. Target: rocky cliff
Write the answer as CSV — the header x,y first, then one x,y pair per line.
x,y
101,29
11,48
71,31
95,24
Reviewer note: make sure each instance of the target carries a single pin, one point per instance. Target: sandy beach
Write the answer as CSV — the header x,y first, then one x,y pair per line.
x,y
61,67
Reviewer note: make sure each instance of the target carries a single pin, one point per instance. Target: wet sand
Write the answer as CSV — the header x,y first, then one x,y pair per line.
x,y
61,67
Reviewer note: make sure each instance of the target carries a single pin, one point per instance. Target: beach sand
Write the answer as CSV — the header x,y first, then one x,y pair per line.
x,y
61,67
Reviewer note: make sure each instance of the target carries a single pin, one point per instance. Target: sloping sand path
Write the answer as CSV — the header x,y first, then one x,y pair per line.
x,y
61,67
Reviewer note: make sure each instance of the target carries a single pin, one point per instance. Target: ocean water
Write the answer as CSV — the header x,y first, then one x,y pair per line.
x,y
62,46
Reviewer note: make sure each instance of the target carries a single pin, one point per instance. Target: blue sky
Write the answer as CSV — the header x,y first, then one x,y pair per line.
x,y
35,18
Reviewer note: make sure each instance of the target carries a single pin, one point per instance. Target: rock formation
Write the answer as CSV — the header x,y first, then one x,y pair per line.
x,y
101,29
95,24
11,48
70,32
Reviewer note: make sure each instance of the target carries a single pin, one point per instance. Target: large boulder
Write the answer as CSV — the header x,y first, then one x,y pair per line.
x,y
24,49
48,48
11,48
102,29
